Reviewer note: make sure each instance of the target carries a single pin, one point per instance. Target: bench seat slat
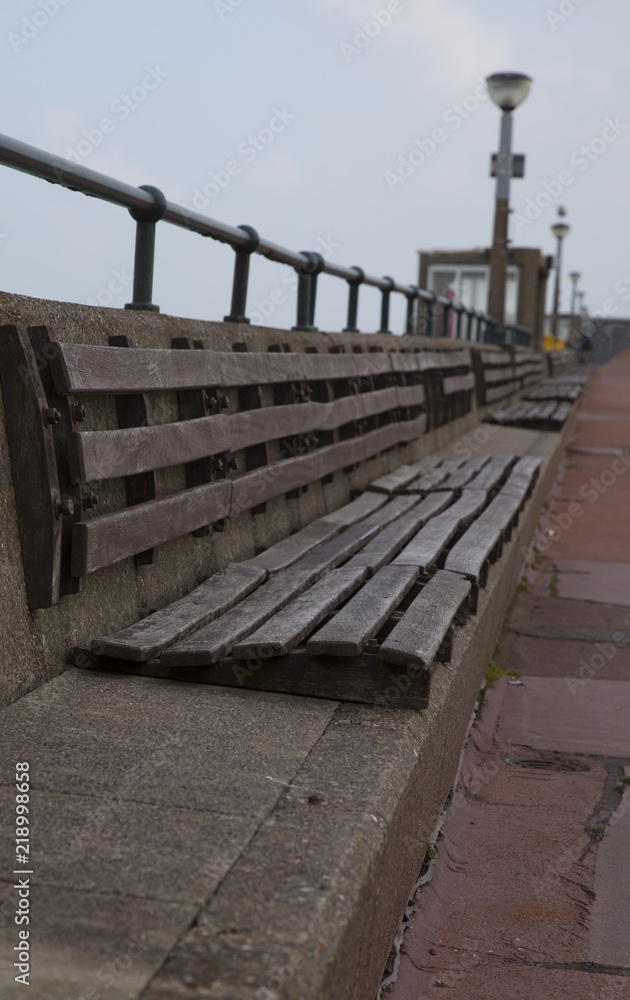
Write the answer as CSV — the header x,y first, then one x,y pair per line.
x,y
108,538
471,553
148,637
492,473
216,640
458,383
288,627
460,477
431,480
426,547
392,539
404,474
502,511
364,615
416,639
335,551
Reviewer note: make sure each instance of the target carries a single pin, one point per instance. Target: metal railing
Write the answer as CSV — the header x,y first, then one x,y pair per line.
x,y
442,317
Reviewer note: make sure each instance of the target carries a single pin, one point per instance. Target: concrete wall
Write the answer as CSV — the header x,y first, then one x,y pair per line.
x,y
34,645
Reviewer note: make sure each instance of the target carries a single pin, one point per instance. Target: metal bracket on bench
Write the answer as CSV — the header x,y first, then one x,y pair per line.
x,y
40,505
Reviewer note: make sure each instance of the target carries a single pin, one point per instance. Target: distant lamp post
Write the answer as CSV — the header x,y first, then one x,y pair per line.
x,y
507,90
559,230
575,277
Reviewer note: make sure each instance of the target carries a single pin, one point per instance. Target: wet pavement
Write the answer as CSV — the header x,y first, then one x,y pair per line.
x,y
530,893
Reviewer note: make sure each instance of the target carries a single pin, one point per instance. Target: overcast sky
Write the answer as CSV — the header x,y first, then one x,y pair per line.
x,y
185,87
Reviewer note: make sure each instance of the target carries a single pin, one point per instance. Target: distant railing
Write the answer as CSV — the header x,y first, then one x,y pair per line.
x,y
441,316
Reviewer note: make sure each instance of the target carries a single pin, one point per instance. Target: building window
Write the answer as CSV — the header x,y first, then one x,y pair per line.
x,y
469,285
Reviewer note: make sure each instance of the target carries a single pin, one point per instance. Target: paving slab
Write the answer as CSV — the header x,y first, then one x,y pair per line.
x,y
609,940
565,656
605,582
548,713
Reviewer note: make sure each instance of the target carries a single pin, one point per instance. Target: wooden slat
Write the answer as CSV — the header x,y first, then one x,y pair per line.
x,y
463,475
148,637
361,618
416,639
562,412
495,357
405,361
332,553
501,391
427,546
522,475
431,480
492,473
458,383
97,455
444,359
288,627
472,552
404,474
392,539
492,376
280,477
87,368
213,641
502,511
107,539
392,510
285,552
411,395
33,465
409,430
354,511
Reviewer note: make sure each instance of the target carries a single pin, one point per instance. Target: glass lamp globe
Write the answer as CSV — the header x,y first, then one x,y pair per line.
x,y
508,90
560,230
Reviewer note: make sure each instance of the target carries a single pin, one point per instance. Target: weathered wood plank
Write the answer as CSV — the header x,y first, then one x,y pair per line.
x,y
87,368
107,539
214,641
392,510
354,511
431,480
444,359
458,383
502,512
33,465
427,546
363,679
470,555
524,473
411,395
288,627
416,639
501,391
392,539
492,473
280,477
499,357
98,455
332,553
361,619
148,637
391,482
285,552
458,479
409,430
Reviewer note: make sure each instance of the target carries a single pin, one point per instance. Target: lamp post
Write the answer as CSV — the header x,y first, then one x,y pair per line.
x,y
559,230
575,277
507,90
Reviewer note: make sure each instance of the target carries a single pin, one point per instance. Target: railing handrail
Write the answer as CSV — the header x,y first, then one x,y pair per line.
x,y
149,205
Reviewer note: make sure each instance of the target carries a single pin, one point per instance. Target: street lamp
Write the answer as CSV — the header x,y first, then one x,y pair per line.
x,y
575,277
507,90
559,230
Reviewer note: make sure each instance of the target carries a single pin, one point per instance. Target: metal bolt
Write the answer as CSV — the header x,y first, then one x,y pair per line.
x,y
51,416
224,402
79,412
89,500
64,507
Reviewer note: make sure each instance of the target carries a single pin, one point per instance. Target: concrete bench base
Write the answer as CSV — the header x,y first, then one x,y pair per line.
x,y
202,842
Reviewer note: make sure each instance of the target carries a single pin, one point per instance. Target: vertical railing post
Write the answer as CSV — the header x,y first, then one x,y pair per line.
x,y
241,277
353,300
307,289
458,326
385,296
469,326
412,299
146,220
431,315
446,315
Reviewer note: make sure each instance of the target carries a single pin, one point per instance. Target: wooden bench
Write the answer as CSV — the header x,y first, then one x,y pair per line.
x,y
357,605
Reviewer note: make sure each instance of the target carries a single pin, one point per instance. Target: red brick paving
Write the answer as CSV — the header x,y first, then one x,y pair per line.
x,y
511,912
